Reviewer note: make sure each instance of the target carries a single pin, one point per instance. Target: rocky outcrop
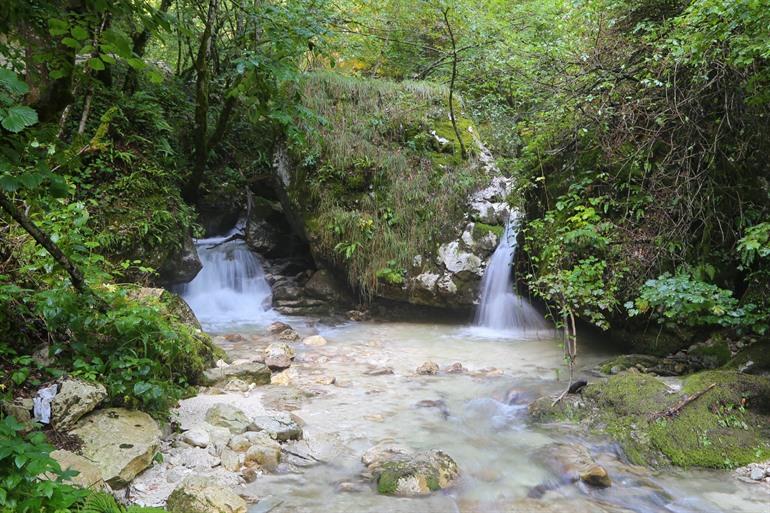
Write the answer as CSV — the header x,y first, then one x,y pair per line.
x,y
88,475
75,399
398,471
230,417
121,442
201,495
182,266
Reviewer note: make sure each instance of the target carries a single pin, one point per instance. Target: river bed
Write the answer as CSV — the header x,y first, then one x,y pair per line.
x,y
377,396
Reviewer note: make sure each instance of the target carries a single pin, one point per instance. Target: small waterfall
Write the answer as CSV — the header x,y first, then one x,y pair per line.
x,y
231,288
500,308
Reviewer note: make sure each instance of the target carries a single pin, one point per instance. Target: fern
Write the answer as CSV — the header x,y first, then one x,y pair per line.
x,y
101,503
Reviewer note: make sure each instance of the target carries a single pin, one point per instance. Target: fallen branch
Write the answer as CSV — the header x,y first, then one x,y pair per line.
x,y
237,236
674,410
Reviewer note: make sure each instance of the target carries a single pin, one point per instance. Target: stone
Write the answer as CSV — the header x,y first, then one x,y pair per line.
x,y
265,452
230,417
403,474
197,437
122,443
238,385
285,378
572,463
426,281
280,426
289,336
194,458
183,265
315,340
757,473
447,286
277,327
89,475
218,437
428,368
198,494
455,368
20,408
322,285
249,372
75,399
596,475
249,474
455,260
231,460
279,356
379,371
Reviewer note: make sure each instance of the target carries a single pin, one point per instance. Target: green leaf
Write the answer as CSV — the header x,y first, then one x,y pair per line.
x,y
11,82
79,33
18,118
96,64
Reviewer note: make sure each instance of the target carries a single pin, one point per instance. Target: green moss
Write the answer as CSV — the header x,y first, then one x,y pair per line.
x,y
725,427
626,361
758,354
714,354
481,229
390,474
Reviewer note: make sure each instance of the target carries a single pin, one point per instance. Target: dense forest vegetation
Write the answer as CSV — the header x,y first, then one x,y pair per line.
x,y
635,132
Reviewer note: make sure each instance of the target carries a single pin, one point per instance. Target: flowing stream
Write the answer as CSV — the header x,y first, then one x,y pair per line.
x,y
361,389
501,308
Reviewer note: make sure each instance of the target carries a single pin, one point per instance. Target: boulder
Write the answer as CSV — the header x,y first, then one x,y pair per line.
x,y
231,460
572,463
182,266
315,340
198,494
230,417
122,443
289,335
278,327
250,372
322,285
402,474
280,426
89,475
457,261
428,368
279,355
75,399
264,451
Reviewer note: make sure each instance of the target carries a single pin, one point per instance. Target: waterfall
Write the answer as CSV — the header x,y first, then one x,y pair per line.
x,y
231,287
500,307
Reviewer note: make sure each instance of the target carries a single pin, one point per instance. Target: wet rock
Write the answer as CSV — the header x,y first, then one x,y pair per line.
x,y
89,475
457,261
231,460
75,399
182,266
572,463
250,372
358,315
278,327
428,368
279,355
289,335
199,494
230,417
285,378
197,437
517,396
379,371
315,340
121,442
455,368
404,474
280,426
249,474
264,451
543,408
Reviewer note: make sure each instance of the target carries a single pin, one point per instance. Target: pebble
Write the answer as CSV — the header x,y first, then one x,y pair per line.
x,y
428,368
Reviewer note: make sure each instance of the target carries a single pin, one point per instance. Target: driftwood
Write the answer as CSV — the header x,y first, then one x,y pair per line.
x,y
674,410
237,236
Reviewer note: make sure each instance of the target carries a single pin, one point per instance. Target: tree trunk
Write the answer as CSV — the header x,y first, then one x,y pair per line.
x,y
140,40
452,82
44,240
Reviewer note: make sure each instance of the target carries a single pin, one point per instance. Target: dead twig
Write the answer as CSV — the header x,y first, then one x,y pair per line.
x,y
674,410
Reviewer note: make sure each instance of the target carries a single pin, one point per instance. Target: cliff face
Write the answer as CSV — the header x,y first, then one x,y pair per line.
x,y
378,186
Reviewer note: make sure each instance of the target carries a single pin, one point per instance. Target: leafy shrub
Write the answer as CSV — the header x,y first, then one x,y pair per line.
x,y
24,460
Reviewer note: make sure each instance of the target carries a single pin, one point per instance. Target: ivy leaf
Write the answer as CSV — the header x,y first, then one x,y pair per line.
x,y
18,117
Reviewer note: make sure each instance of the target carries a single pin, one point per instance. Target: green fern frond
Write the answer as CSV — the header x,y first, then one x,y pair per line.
x,y
101,503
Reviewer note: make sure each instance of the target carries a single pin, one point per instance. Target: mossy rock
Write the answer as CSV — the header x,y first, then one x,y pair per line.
x,y
627,361
421,474
755,359
481,229
728,426
714,353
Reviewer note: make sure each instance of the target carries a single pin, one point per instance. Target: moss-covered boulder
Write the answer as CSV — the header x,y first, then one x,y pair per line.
x,y
197,494
400,472
724,425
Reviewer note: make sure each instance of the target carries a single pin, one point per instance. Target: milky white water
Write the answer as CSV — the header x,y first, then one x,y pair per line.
x,y
231,288
500,307
465,415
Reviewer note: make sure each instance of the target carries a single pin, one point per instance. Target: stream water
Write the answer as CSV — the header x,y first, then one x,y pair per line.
x,y
377,396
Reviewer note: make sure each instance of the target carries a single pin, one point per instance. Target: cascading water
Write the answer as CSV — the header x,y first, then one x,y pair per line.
x,y
231,287
500,308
